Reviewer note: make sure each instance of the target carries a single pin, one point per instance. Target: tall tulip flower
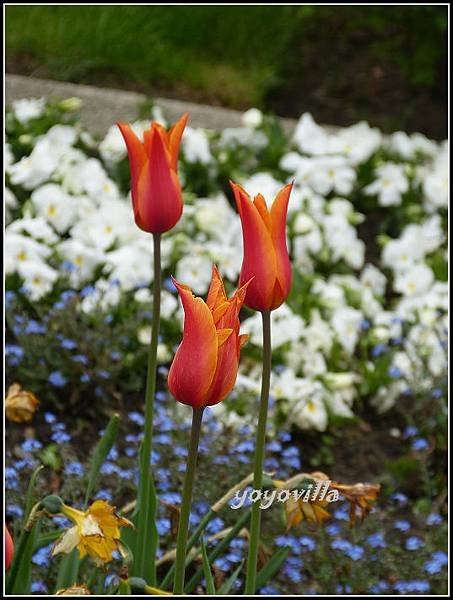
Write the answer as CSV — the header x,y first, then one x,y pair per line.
x,y
205,366
265,254
157,203
266,260
9,548
203,373
155,188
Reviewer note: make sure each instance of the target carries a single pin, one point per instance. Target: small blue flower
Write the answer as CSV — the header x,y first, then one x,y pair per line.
x,y
14,510
115,355
414,543
355,552
42,556
38,586
376,540
437,393
268,591
395,372
399,497
402,525
104,495
87,291
57,379
74,468
68,344
136,418
33,327
365,324
163,526
420,444
434,519
378,350
80,358
60,437
308,543
30,445
49,417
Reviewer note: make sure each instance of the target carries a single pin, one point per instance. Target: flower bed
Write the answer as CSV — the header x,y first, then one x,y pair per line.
x,y
363,331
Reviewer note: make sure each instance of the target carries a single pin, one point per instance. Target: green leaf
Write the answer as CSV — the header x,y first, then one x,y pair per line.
x,y
68,570
210,587
271,567
19,576
228,584
101,451
151,540
46,539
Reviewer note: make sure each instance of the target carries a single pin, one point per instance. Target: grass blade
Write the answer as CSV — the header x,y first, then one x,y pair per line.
x,y
228,584
101,452
210,587
271,567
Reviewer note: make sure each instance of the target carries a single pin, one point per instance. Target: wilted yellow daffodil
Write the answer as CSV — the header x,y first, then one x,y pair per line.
x,y
96,532
359,496
20,405
75,590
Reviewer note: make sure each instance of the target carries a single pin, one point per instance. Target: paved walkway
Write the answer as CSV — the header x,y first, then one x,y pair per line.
x,y
103,106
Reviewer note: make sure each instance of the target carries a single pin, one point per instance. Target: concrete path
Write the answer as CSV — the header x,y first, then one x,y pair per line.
x,y
103,106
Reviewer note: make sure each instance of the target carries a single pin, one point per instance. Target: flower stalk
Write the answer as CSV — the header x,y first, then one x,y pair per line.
x,y
147,509
255,522
183,527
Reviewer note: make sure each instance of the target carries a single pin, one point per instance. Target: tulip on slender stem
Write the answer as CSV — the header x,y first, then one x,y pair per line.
x,y
157,204
266,260
202,374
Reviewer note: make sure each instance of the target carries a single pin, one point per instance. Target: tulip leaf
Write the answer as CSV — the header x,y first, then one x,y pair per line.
x,y
100,454
228,584
30,497
210,587
271,567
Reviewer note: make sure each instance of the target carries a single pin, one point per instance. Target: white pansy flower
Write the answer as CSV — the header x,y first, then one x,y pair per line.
x,y
83,258
130,265
26,109
195,146
21,250
346,323
286,327
38,278
390,184
415,281
310,137
372,278
252,118
310,413
55,205
195,271
37,228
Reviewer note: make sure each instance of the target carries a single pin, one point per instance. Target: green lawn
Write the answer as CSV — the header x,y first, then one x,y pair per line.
x,y
385,64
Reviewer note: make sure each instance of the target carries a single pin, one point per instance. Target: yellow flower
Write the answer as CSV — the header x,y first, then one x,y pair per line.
x,y
20,405
75,590
96,532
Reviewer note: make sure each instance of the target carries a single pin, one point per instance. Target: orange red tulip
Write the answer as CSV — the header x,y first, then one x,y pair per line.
x,y
266,257
155,188
9,548
205,366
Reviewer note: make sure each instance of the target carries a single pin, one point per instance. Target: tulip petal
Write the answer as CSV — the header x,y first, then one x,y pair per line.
x,y
136,154
259,260
278,217
192,371
174,139
159,192
223,335
216,292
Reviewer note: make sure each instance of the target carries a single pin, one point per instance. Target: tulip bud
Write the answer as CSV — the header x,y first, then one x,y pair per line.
x,y
156,191
266,259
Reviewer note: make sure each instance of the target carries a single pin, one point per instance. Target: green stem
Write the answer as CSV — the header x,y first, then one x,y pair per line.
x,y
250,582
183,528
145,518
